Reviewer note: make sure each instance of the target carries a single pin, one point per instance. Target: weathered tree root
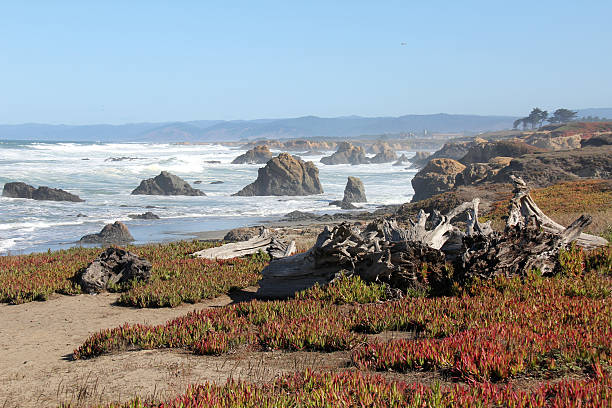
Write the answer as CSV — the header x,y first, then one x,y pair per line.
x,y
433,253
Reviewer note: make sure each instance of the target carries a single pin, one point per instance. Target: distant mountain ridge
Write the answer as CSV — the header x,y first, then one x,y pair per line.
x,y
301,127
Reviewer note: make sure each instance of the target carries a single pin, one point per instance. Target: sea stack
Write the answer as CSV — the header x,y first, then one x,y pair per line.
x,y
354,192
166,184
285,175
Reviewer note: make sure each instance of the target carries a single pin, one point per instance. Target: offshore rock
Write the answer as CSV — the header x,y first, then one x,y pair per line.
x,y
285,175
23,190
257,155
347,154
116,233
166,184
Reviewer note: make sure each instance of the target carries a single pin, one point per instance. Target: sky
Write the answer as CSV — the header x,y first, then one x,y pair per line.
x,y
86,62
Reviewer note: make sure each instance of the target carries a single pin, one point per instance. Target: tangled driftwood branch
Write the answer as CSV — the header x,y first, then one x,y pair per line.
x,y
432,252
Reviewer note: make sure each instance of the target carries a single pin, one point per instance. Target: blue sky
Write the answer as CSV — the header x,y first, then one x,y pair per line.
x,y
81,62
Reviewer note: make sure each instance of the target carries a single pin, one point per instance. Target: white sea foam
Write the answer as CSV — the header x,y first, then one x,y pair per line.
x,y
106,186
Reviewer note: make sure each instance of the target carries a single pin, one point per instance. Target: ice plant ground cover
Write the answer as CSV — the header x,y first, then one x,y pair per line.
x,y
356,389
492,331
176,276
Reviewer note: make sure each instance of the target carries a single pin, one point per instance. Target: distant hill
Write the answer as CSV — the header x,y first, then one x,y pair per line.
x,y
302,127
595,112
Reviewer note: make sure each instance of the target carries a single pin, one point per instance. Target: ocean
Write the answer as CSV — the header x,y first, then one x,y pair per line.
x,y
87,169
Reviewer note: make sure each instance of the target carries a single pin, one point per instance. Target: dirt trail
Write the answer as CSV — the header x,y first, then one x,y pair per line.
x,y
37,339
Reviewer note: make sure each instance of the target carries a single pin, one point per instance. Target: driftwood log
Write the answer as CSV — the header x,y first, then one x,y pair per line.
x,y
265,242
432,252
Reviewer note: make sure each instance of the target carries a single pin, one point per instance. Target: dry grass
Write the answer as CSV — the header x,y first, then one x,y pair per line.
x,y
564,202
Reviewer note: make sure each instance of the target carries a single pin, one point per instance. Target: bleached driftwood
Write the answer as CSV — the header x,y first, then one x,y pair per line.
x,y
522,208
419,255
264,242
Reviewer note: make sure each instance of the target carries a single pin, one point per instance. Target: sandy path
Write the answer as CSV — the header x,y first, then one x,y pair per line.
x,y
37,339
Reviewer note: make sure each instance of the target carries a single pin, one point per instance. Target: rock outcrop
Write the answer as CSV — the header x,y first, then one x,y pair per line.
x,y
347,154
551,142
483,152
544,169
475,173
285,175
354,192
437,177
23,190
386,155
453,150
145,216
116,233
113,267
166,184
257,155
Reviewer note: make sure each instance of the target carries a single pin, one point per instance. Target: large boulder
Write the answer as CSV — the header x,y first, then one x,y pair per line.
x,y
116,233
437,177
166,184
354,192
483,152
285,175
386,155
23,190
347,154
113,267
257,155
545,169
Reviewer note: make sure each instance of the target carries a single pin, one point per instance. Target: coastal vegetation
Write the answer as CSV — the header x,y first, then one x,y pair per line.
x,y
351,388
177,277
484,341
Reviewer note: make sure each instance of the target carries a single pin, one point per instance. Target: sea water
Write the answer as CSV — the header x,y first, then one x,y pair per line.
x,y
86,169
